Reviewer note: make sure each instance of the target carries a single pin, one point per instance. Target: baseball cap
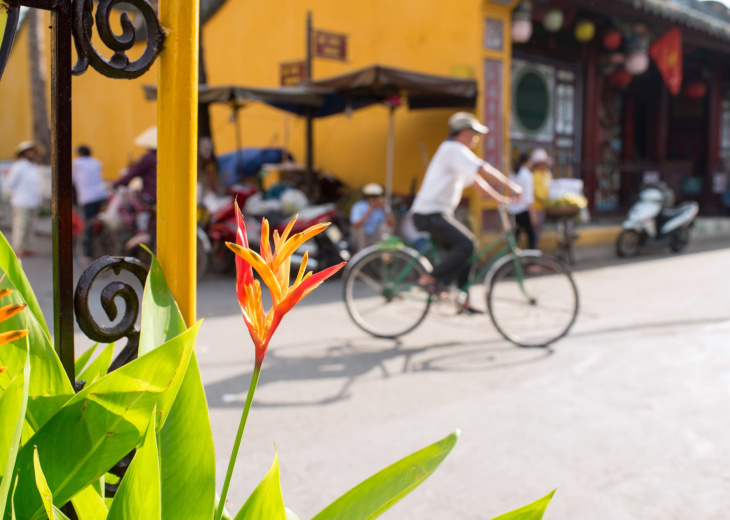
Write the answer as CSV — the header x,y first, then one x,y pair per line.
x,y
463,120
372,189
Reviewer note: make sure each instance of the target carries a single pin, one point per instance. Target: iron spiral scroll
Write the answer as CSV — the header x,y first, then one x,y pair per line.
x,y
114,289
124,329
119,66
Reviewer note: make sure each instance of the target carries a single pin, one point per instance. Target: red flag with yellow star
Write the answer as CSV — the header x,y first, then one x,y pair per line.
x,y
667,54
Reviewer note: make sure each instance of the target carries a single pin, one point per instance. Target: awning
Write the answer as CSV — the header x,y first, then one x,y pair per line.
x,y
379,83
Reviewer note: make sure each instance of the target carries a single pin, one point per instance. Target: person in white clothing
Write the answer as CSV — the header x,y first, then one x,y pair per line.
x,y
524,209
453,168
91,192
24,187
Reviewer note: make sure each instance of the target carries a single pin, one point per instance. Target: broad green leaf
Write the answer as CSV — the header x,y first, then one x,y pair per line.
x,y
374,496
42,485
266,500
138,496
11,404
10,265
186,441
81,361
19,384
291,515
49,386
99,366
104,422
58,515
161,317
533,511
89,503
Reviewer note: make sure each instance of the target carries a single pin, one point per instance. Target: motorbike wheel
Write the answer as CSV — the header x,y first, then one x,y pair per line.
x,y
628,243
104,241
680,240
222,260
201,260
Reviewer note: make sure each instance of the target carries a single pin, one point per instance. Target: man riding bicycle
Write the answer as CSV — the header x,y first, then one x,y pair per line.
x,y
453,168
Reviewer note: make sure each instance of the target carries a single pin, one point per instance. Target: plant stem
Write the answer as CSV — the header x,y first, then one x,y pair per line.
x,y
237,443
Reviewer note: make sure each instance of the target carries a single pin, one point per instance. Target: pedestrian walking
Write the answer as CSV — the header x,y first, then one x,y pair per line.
x,y
91,193
24,188
524,209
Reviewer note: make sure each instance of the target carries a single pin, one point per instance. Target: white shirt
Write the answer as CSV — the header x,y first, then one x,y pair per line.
x,y
24,184
524,178
453,168
87,180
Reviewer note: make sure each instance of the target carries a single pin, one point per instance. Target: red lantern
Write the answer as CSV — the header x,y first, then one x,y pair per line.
x,y
612,39
620,78
695,90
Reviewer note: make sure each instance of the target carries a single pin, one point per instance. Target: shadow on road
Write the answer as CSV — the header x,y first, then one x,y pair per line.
x,y
355,359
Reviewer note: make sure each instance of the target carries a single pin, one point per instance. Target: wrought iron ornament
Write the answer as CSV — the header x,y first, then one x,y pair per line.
x,y
126,327
119,65
8,24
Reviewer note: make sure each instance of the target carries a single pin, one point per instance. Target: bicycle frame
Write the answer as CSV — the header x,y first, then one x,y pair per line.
x,y
506,239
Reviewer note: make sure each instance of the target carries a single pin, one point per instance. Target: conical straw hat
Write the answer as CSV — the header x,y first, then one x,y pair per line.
x,y
147,139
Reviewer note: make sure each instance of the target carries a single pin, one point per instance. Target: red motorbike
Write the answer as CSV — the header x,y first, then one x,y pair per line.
x,y
326,249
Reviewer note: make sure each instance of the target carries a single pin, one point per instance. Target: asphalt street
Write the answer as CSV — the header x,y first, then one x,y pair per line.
x,y
627,417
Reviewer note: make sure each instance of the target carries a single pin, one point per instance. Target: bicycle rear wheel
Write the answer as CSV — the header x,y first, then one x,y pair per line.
x,y
382,296
532,300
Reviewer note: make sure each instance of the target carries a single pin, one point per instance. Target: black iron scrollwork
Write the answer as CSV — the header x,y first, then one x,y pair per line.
x,y
126,326
124,329
119,65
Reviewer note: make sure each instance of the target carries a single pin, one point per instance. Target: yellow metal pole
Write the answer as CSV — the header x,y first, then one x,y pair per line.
x,y
177,150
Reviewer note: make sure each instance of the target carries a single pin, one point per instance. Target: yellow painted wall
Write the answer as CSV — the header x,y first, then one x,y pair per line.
x,y
245,43
107,114
16,123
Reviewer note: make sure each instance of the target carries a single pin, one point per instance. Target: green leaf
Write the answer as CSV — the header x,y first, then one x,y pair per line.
x,y
16,393
533,511
104,422
42,485
89,503
49,386
266,500
81,361
10,265
138,496
374,496
161,317
99,366
291,515
186,441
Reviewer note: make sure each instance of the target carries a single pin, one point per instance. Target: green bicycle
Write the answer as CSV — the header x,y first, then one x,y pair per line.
x,y
531,297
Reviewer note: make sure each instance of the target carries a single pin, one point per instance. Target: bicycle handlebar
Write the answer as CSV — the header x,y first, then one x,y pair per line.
x,y
504,217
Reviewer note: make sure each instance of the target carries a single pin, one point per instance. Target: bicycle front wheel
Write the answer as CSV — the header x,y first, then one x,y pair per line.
x,y
532,300
382,294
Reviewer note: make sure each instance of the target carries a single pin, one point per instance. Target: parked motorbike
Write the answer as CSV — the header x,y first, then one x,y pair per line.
x,y
654,222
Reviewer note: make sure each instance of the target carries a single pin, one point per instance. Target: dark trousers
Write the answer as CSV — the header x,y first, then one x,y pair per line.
x,y
90,210
455,243
524,225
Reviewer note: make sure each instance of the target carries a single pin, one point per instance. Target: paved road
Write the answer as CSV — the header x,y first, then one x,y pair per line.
x,y
627,417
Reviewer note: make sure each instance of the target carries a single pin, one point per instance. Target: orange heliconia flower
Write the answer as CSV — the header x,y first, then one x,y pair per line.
x,y
274,269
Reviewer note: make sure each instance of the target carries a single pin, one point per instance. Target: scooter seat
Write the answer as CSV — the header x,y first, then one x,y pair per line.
x,y
669,213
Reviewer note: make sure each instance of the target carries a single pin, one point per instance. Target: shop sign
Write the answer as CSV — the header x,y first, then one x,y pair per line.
x,y
8,24
330,45
293,73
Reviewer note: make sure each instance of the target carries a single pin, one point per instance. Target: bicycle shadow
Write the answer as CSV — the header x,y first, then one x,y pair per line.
x,y
350,361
